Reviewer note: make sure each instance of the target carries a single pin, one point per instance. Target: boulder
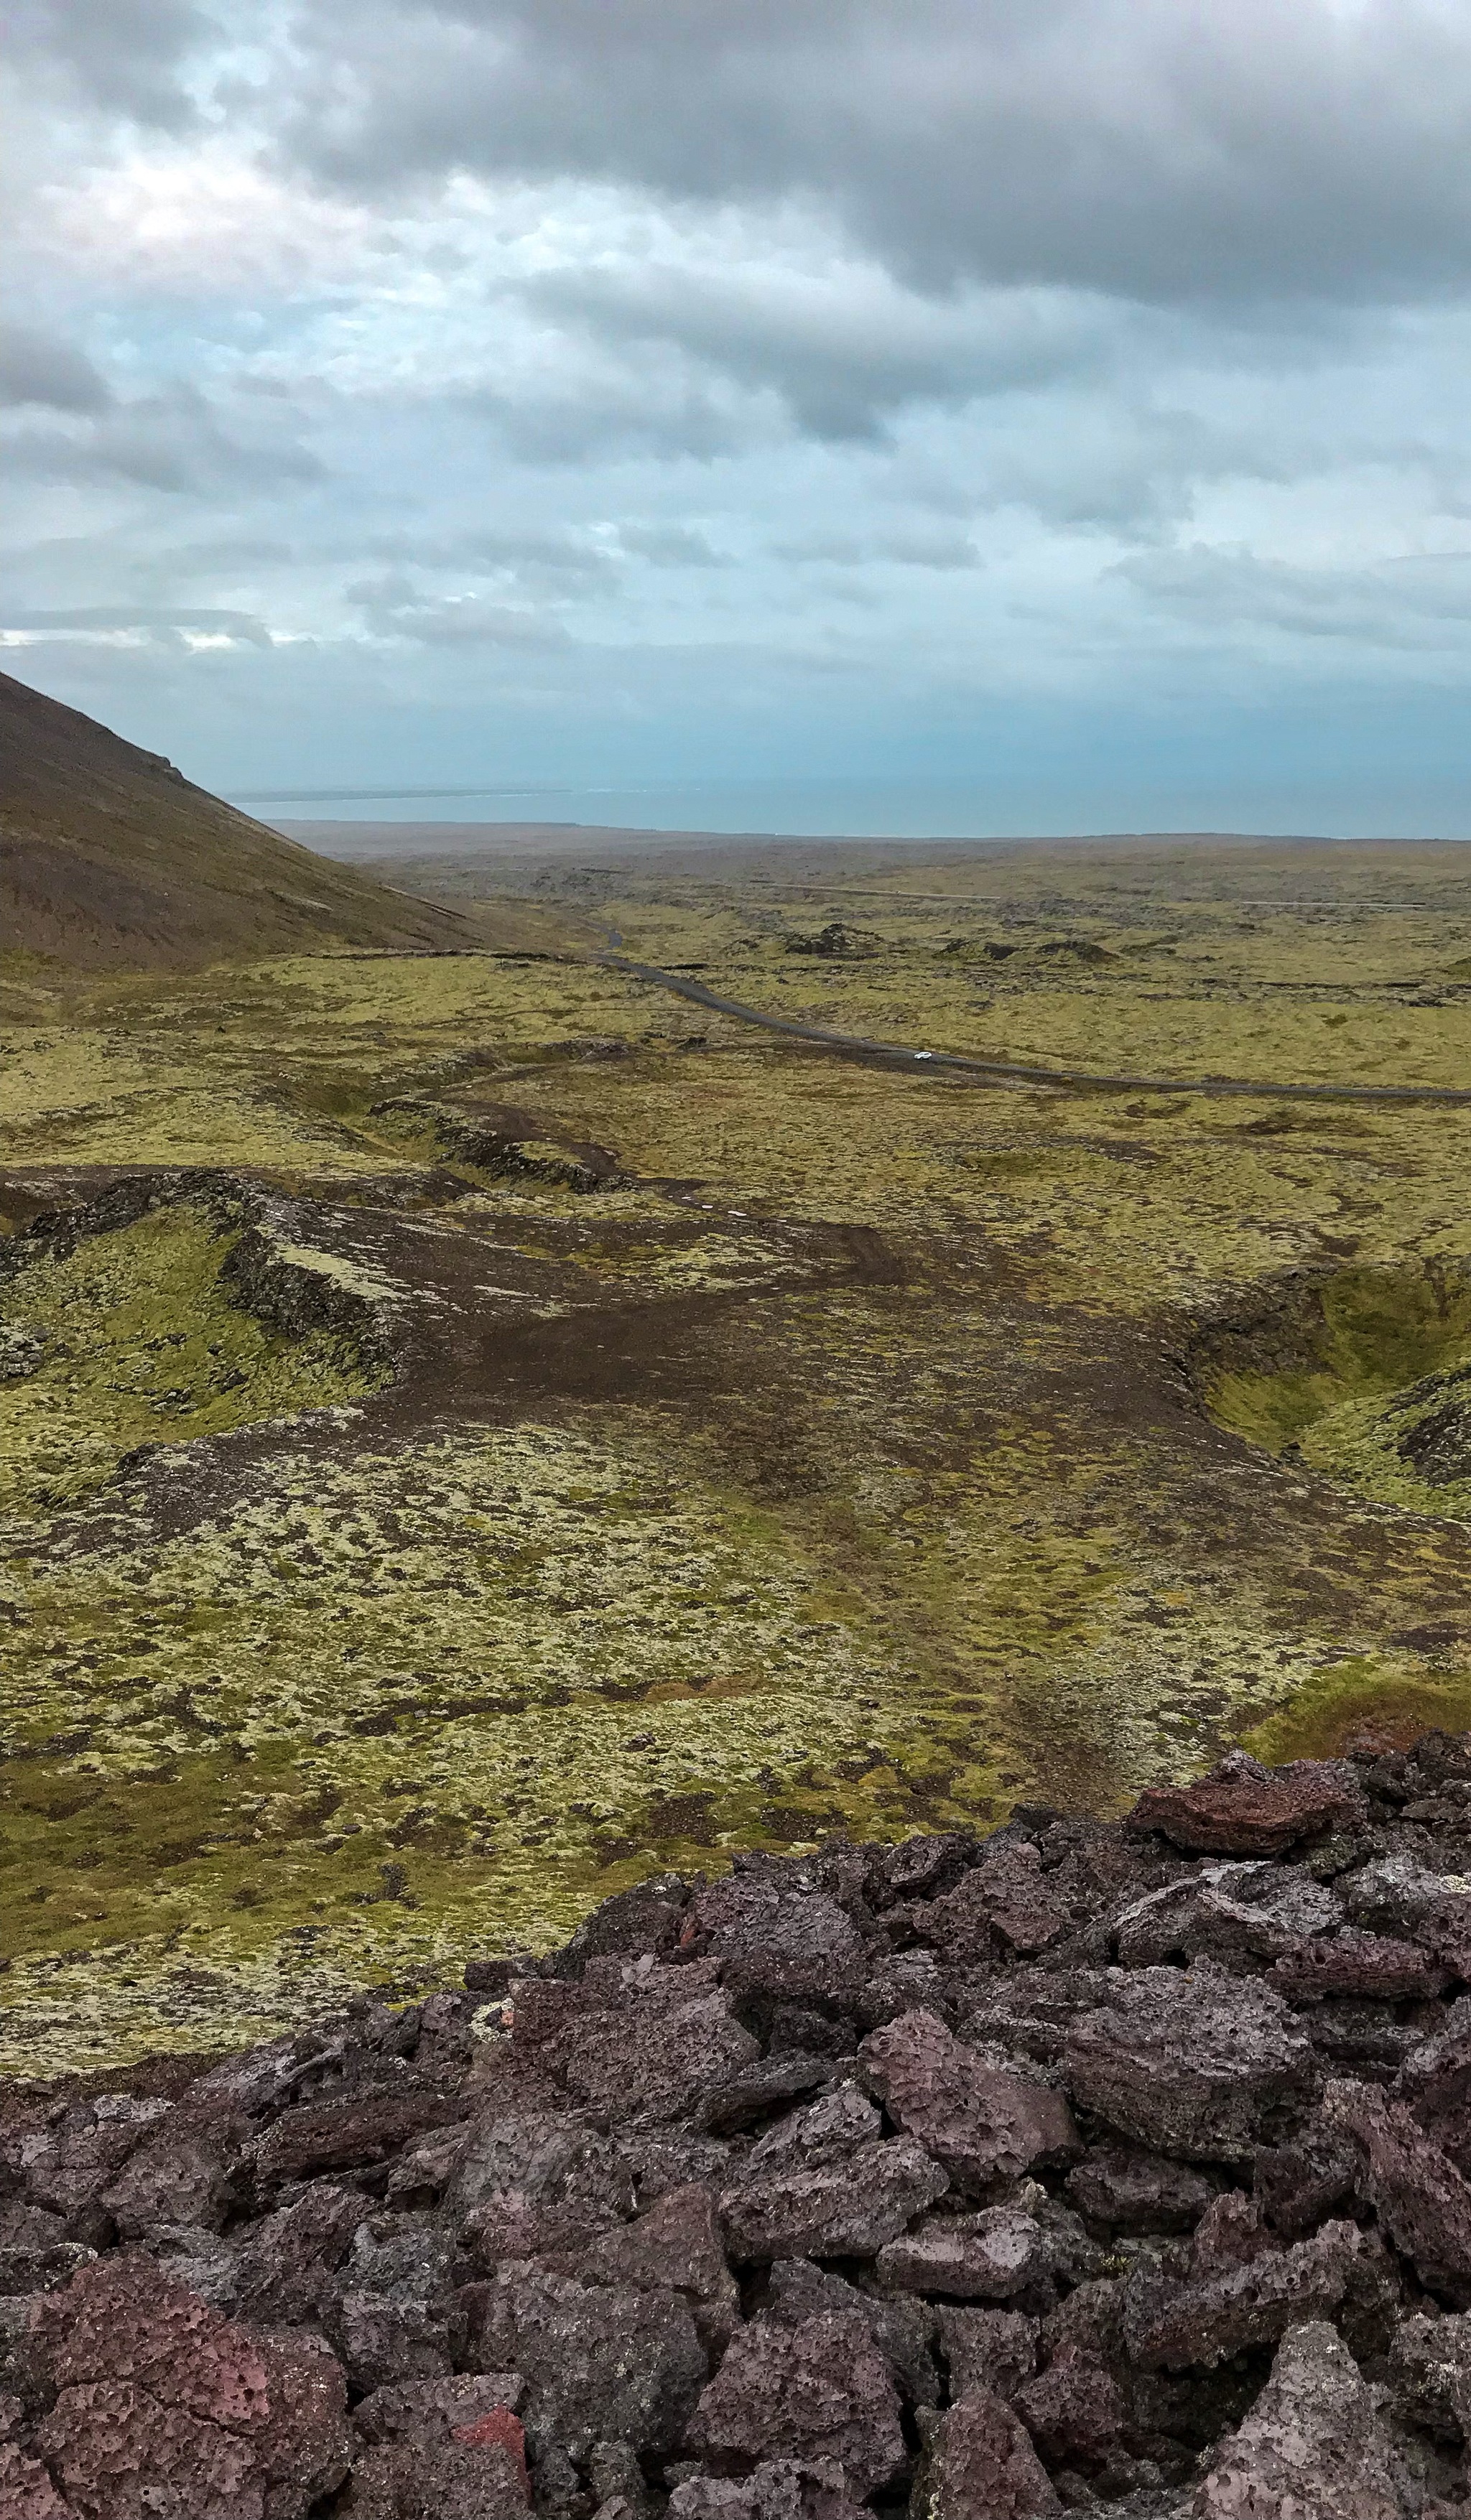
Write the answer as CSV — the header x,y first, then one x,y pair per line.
x,y
436,2410
285,2266
1358,1964
601,2362
982,2466
1245,1809
1430,2374
1201,2323
780,2489
903,2329
979,2123
847,2208
1138,2191
440,2480
994,2256
1313,2446
1188,2063
1006,1906
777,1940
993,2350
821,2391
1422,2202
388,2311
675,2247
1073,2410
1233,1914
826,2129
656,2053
155,2394
349,2133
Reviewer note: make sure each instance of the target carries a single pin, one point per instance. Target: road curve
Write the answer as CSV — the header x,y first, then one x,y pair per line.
x,y
852,1045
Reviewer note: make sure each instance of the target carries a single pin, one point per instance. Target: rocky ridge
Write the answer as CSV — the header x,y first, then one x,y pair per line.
x,y
1081,2164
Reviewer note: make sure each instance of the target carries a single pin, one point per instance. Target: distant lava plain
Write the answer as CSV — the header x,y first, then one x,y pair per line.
x,y
479,1428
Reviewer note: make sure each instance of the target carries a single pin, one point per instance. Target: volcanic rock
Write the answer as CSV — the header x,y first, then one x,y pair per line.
x,y
982,2466
601,2362
728,2257
1185,2064
821,2391
1422,2202
1312,2445
153,2394
969,2256
1138,2191
979,2123
847,2208
1244,1808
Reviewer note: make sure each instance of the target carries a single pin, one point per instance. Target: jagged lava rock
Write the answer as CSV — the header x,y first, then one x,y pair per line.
x,y
756,2202
1313,2447
1244,1808
1188,2063
601,2362
983,2466
1200,2324
820,2391
1422,2202
979,2123
1139,2191
155,2394
972,2257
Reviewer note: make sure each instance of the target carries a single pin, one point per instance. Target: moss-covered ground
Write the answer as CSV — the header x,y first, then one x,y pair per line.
x,y
860,1458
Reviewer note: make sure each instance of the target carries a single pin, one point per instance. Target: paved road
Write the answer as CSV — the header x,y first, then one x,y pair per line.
x,y
1002,1071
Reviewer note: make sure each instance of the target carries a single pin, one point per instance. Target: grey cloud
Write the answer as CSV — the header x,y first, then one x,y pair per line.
x,y
39,367
174,440
394,609
913,547
841,352
651,408
1417,603
1136,146
670,546
554,563
156,621
124,56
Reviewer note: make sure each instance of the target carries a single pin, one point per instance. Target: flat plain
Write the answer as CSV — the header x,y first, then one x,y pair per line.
x,y
496,1429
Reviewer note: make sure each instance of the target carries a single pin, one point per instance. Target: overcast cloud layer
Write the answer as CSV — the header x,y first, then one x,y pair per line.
x,y
1028,414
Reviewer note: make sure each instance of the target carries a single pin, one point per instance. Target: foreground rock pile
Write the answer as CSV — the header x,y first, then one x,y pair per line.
x,y
1081,2164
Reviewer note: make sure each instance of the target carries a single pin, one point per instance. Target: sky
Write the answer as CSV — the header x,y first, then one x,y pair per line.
x,y
942,415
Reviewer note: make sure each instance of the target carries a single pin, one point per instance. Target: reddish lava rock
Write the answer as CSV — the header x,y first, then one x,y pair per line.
x,y
161,2404
1068,2168
1244,1808
979,2124
983,2467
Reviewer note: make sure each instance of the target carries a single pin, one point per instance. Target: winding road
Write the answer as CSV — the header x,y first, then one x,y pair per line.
x,y
1001,1071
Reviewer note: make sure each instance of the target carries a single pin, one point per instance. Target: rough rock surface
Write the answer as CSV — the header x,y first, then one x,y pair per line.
x,y
1312,2445
1082,2167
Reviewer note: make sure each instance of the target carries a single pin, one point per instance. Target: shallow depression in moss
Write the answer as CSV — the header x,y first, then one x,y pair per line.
x,y
1365,1376
132,1341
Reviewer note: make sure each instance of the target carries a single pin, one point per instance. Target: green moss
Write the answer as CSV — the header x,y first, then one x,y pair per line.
x,y
833,1476
132,1343
1384,1344
1369,1331
1363,1701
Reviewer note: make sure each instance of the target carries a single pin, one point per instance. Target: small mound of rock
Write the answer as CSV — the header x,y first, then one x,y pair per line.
x,y
976,2178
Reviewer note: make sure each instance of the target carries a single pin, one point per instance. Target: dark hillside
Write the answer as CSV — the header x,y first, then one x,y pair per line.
x,y
111,859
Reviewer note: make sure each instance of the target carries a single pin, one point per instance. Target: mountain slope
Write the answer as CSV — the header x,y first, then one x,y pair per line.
x,y
110,859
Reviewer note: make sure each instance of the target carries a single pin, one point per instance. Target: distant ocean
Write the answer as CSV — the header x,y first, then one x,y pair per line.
x,y
899,809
